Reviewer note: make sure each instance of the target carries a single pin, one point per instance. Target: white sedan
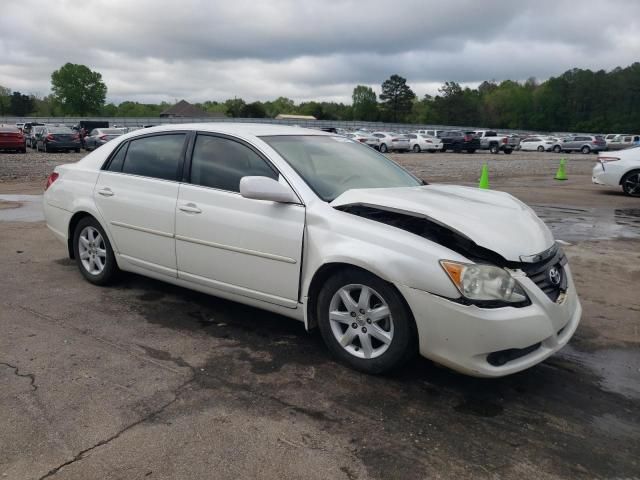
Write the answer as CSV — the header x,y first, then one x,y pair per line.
x,y
423,143
537,144
322,229
619,169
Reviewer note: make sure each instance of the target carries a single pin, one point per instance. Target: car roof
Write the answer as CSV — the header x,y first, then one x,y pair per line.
x,y
240,129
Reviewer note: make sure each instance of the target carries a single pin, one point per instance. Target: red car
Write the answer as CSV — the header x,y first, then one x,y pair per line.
x,y
11,138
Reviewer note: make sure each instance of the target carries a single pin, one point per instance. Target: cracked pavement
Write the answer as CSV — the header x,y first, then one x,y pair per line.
x,y
145,380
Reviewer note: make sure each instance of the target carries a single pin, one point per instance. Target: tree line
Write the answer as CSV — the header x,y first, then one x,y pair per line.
x,y
577,100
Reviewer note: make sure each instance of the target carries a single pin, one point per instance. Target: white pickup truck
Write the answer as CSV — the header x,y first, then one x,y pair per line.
x,y
494,142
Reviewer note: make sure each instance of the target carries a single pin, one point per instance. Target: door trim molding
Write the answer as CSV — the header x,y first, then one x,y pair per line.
x,y
237,290
246,251
142,229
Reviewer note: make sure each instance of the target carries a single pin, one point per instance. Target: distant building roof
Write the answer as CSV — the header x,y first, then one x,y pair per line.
x,y
185,109
286,116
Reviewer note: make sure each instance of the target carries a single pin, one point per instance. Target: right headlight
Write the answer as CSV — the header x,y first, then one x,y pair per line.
x,y
484,283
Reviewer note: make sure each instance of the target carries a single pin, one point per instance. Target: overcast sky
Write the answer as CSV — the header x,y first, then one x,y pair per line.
x,y
154,50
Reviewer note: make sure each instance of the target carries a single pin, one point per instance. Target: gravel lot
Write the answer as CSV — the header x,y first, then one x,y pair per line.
x,y
146,380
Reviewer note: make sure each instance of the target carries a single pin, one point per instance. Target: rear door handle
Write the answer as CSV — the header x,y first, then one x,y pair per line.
x,y
190,208
106,192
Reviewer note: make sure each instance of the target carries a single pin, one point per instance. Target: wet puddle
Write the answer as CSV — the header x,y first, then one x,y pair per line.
x,y
21,208
618,369
576,224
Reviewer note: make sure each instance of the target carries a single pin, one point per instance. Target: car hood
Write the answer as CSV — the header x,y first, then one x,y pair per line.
x,y
494,220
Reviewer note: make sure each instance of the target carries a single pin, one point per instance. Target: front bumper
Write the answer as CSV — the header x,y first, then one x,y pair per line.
x,y
461,337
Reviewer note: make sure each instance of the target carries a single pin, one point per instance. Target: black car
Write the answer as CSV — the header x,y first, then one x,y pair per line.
x,y
100,136
458,141
54,139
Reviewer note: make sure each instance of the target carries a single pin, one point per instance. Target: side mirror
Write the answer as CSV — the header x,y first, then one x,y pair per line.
x,y
265,188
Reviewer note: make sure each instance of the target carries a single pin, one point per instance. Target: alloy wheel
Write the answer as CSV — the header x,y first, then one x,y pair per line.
x,y
92,250
631,184
361,321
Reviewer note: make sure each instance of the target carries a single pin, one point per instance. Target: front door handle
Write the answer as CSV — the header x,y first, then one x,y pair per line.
x,y
190,208
106,192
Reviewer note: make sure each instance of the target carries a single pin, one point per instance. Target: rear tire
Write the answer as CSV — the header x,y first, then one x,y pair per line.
x,y
93,253
540,148
374,346
631,183
383,148
507,151
471,150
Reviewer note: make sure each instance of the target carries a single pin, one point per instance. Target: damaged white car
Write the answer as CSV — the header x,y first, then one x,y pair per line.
x,y
327,231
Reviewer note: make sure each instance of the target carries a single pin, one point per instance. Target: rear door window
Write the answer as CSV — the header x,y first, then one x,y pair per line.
x,y
157,156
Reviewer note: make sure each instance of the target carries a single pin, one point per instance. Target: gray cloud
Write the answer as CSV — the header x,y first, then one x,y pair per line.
x,y
152,50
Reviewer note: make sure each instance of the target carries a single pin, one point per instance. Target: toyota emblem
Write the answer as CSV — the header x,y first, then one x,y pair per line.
x,y
555,276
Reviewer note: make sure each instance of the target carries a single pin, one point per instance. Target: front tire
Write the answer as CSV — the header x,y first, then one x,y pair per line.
x,y
416,148
493,148
585,150
93,253
631,183
365,323
471,150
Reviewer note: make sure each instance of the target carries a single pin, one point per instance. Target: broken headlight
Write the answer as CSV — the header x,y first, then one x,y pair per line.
x,y
484,283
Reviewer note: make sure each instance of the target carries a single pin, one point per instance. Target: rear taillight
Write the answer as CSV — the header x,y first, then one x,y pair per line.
x,y
428,141
362,140
76,136
102,137
395,139
505,140
52,178
50,137
468,138
608,159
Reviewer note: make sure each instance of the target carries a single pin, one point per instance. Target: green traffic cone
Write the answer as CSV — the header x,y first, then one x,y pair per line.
x,y
561,174
484,177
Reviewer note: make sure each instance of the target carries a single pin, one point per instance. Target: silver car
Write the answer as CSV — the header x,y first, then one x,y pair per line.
x,y
582,143
621,142
391,141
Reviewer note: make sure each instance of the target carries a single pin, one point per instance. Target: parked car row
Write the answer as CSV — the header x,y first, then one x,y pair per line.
x,y
576,143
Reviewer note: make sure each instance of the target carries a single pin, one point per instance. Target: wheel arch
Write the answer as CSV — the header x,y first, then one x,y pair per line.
x,y
631,170
73,222
323,273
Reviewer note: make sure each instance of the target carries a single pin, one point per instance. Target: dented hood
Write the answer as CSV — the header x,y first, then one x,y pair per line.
x,y
494,220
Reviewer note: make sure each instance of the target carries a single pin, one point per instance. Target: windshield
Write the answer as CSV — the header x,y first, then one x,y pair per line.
x,y
332,165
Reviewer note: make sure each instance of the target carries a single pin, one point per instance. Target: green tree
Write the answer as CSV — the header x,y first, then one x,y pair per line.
x,y
78,90
5,100
235,107
397,97
20,105
253,110
365,104
280,105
